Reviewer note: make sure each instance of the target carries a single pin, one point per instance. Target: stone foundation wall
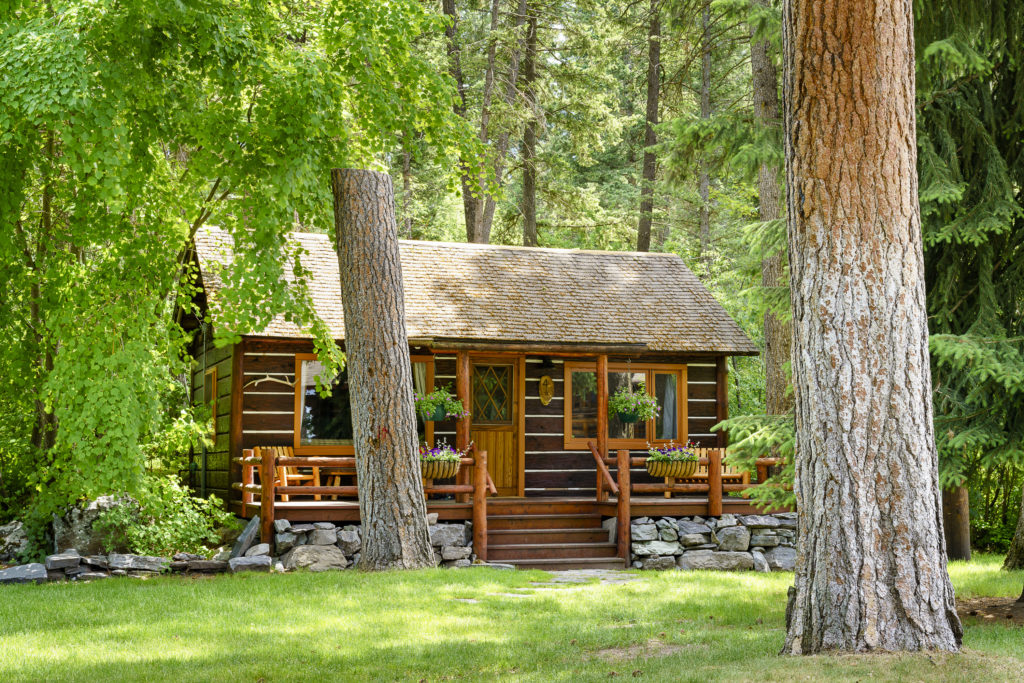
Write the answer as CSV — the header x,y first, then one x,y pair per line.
x,y
731,542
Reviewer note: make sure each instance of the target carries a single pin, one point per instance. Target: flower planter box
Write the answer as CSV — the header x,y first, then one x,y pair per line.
x,y
628,418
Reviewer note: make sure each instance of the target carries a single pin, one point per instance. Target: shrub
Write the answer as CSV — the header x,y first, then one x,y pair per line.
x,y
167,520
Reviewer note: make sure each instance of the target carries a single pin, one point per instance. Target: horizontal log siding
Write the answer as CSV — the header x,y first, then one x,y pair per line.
x,y
218,457
268,415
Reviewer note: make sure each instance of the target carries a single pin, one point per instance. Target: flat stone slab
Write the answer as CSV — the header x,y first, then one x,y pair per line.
x,y
259,563
25,573
248,536
64,560
144,563
207,566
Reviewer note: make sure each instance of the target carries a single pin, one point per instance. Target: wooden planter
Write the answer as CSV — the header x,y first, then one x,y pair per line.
x,y
672,469
439,469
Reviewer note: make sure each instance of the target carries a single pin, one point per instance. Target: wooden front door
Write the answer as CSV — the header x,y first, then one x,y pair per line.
x,y
494,404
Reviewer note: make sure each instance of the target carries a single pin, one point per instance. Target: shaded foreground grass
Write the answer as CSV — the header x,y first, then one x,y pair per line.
x,y
442,624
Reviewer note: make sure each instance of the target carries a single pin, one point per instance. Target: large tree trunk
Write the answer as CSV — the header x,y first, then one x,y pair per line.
x,y
871,569
956,522
650,167
778,334
705,113
529,206
391,505
1015,557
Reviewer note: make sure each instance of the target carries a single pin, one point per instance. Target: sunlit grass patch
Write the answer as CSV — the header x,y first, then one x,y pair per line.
x,y
443,624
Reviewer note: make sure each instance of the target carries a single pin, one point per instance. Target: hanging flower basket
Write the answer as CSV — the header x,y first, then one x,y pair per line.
x,y
439,405
440,462
631,405
439,469
628,418
676,469
672,461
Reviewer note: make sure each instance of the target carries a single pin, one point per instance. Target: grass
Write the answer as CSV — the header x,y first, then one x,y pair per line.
x,y
680,626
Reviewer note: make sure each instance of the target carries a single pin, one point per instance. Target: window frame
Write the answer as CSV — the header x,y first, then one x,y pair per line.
x,y
649,369
299,449
500,425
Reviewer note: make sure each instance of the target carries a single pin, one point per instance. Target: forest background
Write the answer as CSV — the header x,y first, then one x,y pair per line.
x,y
597,125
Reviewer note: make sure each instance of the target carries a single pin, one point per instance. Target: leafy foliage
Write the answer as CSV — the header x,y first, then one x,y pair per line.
x,y
167,520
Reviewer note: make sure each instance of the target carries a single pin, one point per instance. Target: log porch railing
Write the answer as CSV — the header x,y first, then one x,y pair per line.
x,y
268,489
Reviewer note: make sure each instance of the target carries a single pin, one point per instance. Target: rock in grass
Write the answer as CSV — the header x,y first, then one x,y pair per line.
x,y
258,549
65,560
760,563
285,542
260,563
207,566
736,538
455,552
246,539
322,536
349,541
91,576
781,558
26,573
710,559
141,563
316,558
660,563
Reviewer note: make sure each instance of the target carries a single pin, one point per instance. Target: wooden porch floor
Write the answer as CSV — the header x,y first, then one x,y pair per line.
x,y
449,510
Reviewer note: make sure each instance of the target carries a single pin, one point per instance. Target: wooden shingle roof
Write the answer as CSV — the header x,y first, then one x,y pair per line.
x,y
499,294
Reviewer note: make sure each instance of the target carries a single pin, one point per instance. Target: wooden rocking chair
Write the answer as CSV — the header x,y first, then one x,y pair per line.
x,y
290,476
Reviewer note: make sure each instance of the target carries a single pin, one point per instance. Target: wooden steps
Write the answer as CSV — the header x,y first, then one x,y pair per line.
x,y
552,535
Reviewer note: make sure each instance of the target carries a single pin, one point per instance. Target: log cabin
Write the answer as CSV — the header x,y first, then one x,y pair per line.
x,y
533,341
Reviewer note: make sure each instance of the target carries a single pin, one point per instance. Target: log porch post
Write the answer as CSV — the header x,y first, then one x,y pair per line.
x,y
266,494
462,425
602,420
714,482
622,509
480,506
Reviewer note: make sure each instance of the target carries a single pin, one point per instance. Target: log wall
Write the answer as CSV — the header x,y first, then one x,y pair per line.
x,y
267,415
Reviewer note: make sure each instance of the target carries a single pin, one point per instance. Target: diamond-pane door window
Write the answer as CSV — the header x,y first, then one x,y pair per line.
x,y
492,394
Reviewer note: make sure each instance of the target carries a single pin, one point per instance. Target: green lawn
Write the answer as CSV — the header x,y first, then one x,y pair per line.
x,y
413,626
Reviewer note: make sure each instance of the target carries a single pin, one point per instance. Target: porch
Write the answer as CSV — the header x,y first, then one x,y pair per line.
x,y
535,532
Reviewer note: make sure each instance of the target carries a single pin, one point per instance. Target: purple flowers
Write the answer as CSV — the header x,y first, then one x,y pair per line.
x,y
442,453
672,452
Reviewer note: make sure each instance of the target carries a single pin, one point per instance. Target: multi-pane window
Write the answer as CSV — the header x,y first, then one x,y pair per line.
x,y
666,383
492,394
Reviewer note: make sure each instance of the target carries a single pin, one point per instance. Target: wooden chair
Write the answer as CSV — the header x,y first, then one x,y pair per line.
x,y
730,475
287,475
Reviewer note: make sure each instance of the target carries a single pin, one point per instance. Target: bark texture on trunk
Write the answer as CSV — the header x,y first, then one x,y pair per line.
x,y
650,167
871,569
778,334
529,207
391,502
705,113
956,521
1015,557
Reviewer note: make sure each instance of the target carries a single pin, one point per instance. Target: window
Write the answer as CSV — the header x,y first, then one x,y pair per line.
x,y
491,395
322,420
323,425
665,382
